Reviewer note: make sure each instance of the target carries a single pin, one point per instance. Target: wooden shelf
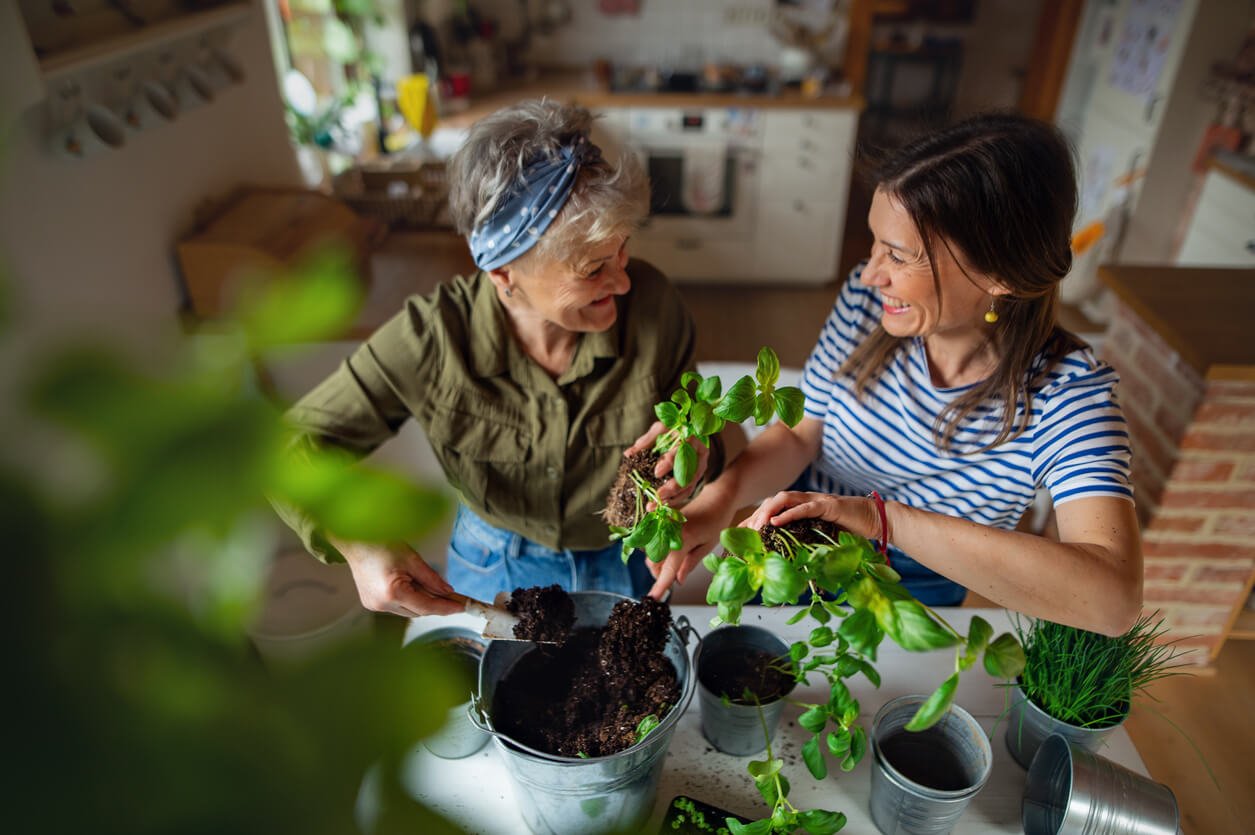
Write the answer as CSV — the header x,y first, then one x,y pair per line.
x,y
1244,626
71,61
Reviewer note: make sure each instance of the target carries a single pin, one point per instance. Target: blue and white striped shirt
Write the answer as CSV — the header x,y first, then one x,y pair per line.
x,y
1076,443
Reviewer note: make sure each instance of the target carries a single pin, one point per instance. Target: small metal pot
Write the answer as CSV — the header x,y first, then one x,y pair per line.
x,y
737,729
1028,726
459,737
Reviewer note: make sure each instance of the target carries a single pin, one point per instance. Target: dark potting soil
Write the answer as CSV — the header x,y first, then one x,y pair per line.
x,y
806,531
925,758
731,673
621,500
545,613
586,697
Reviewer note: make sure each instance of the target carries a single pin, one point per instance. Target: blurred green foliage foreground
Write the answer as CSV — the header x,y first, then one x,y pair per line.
x,y
134,702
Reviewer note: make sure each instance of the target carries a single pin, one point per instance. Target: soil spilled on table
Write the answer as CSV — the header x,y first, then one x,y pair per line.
x,y
744,677
805,531
621,500
588,696
545,613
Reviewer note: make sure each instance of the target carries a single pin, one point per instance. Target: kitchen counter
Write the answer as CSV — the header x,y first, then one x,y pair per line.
x,y
477,794
1204,314
583,88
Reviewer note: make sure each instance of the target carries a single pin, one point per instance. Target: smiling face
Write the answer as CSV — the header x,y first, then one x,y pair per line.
x,y
913,303
577,297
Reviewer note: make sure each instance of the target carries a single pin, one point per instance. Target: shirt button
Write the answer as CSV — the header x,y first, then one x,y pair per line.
x,y
552,472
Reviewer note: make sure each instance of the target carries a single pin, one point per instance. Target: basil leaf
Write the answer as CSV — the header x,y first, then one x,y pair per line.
x,y
917,631
709,389
685,464
936,705
738,403
768,370
782,582
790,404
814,758
741,541
668,413
1004,657
821,821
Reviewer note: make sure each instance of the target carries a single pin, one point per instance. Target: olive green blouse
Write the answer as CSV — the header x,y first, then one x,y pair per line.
x,y
526,452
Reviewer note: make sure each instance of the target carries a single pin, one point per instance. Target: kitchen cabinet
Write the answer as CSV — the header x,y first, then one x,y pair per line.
x,y
803,194
1221,232
779,176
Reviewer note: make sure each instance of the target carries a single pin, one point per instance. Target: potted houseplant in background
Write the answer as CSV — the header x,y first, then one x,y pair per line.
x,y
1082,684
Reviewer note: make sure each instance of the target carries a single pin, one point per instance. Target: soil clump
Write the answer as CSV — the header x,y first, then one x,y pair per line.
x,y
545,613
805,531
621,500
587,696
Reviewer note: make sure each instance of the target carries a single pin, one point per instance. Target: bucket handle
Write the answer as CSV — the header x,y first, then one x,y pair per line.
x,y
478,716
686,631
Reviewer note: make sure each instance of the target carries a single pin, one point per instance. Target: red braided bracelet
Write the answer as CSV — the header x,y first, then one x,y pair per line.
x,y
884,524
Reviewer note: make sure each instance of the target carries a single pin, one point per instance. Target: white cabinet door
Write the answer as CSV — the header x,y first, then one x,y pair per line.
x,y
1222,230
807,153
800,239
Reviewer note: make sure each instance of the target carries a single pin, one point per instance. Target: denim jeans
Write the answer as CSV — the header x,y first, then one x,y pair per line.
x,y
929,587
484,560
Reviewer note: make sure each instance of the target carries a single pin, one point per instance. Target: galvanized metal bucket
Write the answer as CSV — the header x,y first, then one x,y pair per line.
x,y
737,729
902,806
1028,727
1073,791
459,737
570,795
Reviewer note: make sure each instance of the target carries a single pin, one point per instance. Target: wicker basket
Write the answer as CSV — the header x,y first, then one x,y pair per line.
x,y
407,195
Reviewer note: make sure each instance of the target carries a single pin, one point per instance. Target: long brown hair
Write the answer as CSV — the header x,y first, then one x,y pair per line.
x,y
1001,188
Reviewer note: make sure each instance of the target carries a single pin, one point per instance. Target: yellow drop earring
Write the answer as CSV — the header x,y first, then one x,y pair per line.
x,y
991,315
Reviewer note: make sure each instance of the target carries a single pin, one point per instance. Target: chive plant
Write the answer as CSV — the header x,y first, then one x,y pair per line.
x,y
1088,679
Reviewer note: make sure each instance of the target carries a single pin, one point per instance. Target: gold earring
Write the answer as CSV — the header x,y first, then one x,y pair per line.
x,y
991,315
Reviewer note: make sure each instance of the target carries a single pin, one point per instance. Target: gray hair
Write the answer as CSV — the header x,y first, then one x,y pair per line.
x,y
608,200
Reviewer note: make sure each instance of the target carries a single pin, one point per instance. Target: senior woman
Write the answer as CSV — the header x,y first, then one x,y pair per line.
x,y
531,377
943,383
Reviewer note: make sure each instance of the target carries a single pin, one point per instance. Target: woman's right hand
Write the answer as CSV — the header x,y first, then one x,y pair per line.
x,y
395,579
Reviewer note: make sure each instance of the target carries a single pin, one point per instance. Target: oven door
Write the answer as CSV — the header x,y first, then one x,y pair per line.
x,y
702,195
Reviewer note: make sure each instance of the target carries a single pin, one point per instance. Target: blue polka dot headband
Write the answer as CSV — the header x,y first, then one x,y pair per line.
x,y
531,206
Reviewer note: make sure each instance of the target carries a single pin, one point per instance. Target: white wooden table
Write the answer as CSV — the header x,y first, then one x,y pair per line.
x,y
477,794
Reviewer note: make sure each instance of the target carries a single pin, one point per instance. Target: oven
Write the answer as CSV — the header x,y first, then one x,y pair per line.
x,y
703,166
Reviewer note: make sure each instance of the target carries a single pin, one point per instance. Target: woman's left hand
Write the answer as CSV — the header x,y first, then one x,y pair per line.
x,y
670,491
856,515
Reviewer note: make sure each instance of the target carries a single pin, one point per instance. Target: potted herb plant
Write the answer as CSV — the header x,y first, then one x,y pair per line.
x,y
1082,684
698,410
855,600
743,676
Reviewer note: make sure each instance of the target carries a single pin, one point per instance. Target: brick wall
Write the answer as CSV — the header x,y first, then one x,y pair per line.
x,y
1193,444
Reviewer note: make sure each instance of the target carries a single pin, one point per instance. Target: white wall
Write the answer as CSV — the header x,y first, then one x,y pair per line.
x,y
89,243
681,34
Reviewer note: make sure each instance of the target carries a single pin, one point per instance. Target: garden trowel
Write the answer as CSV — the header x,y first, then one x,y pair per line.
x,y
499,623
